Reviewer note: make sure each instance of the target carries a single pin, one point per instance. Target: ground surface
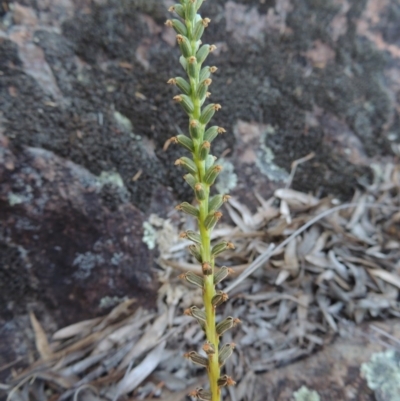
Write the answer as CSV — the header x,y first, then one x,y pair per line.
x,y
85,112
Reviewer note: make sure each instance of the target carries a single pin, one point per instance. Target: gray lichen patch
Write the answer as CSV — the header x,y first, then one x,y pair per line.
x,y
382,373
112,178
161,233
109,302
305,394
265,159
227,180
86,262
253,141
16,199
113,190
149,235
117,258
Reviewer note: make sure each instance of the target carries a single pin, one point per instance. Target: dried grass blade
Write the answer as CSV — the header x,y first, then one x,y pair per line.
x,y
82,365
144,369
237,219
339,267
75,329
247,217
328,317
42,344
120,311
147,341
292,196
386,276
290,257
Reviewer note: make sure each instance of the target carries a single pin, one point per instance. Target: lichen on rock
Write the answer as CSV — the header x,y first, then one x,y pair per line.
x,y
305,394
228,179
160,232
382,373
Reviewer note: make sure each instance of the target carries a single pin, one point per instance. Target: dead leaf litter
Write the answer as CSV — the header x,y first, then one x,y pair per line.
x,y
340,268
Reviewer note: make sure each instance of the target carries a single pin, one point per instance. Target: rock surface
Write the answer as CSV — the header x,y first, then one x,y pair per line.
x,y
85,112
66,253
335,373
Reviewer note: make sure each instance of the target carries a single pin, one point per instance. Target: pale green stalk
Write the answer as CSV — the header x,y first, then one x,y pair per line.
x,y
202,173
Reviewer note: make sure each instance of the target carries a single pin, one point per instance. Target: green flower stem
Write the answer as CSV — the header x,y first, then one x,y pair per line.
x,y
202,174
214,370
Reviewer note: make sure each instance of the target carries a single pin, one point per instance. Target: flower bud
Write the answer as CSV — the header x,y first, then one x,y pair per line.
x,y
183,62
195,251
199,3
219,298
207,268
200,320
182,84
208,112
188,164
210,162
226,324
203,52
212,219
188,209
221,247
184,141
225,352
202,324
222,274
201,394
195,129
191,10
204,73
202,88
198,30
189,178
193,278
197,313
209,348
197,359
216,202
185,102
192,67
178,9
212,132
199,192
225,381
204,395
177,25
212,174
184,45
191,235
205,150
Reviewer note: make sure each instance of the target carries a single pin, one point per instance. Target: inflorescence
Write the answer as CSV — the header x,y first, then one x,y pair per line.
x,y
202,172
